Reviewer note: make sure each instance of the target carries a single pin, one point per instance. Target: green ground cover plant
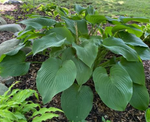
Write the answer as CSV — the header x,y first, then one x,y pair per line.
x,y
77,46
14,107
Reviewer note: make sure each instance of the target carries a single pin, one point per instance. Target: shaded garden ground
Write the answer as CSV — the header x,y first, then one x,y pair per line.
x,y
99,110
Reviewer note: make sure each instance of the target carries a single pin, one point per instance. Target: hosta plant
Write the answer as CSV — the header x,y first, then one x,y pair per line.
x,y
14,107
80,47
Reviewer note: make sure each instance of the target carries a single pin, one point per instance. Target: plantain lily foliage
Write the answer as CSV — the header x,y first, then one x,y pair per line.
x,y
78,45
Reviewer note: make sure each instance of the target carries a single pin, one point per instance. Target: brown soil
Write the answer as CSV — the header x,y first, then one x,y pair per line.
x,y
99,110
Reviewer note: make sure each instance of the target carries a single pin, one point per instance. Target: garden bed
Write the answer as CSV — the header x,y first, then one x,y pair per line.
x,y
99,110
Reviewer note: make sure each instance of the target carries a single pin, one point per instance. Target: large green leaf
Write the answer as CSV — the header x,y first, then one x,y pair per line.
x,y
131,39
135,70
117,46
77,102
76,25
136,19
129,28
10,47
140,98
143,52
83,71
115,90
79,9
54,77
95,19
39,23
11,28
50,40
86,52
62,33
14,65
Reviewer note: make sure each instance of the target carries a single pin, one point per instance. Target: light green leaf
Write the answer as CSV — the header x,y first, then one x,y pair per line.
x,y
77,102
42,111
19,115
62,33
115,90
39,23
131,39
140,98
50,40
147,115
135,70
86,52
44,117
14,65
95,19
54,77
22,95
117,46
143,52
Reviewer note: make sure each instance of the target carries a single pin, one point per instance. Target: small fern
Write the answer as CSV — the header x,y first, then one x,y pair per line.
x,y
14,107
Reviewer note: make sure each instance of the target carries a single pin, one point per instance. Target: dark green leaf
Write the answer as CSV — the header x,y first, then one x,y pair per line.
x,y
77,102
39,23
61,33
50,40
14,65
140,98
115,90
54,77
131,39
135,70
81,26
79,9
136,19
117,46
143,52
86,52
83,71
129,28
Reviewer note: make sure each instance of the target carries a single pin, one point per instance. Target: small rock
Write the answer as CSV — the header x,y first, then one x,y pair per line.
x,y
8,81
2,21
8,45
12,2
11,28
3,89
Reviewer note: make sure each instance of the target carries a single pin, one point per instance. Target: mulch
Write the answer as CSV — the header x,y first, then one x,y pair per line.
x,y
99,109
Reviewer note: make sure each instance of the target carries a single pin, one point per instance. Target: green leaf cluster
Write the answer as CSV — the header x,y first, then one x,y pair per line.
x,y
14,106
78,46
